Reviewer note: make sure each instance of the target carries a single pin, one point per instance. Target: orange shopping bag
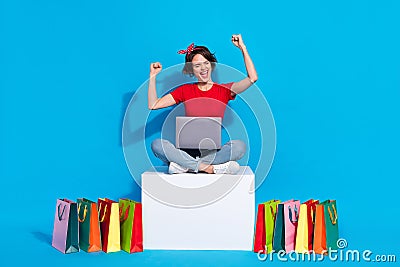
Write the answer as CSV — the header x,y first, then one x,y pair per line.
x,y
319,243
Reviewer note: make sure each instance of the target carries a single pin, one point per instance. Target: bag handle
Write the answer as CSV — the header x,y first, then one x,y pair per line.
x,y
333,220
58,211
84,213
104,214
273,212
313,207
296,214
121,208
312,216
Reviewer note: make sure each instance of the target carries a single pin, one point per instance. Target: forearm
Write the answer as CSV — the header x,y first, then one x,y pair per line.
x,y
251,70
152,92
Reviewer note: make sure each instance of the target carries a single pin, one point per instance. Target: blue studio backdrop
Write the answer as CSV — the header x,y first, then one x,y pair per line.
x,y
330,71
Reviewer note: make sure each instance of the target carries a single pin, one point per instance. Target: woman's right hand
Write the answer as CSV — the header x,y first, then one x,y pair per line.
x,y
155,68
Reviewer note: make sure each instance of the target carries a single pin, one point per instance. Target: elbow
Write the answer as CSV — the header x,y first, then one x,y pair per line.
x,y
152,105
254,78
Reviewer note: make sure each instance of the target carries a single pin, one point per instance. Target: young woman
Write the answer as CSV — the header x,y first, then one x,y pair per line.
x,y
202,99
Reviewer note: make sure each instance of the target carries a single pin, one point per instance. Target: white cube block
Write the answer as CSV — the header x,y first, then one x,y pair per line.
x,y
198,211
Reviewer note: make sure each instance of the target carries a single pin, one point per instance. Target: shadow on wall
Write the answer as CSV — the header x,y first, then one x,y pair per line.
x,y
154,125
135,194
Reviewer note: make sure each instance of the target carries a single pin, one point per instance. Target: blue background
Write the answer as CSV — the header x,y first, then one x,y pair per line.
x,y
329,70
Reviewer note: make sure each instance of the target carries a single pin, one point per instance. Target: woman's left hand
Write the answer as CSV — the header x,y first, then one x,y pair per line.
x,y
237,40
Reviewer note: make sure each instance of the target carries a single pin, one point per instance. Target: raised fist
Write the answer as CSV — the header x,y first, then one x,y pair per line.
x,y
155,68
238,41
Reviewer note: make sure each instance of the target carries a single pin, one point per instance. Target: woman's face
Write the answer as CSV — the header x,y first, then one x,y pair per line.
x,y
201,68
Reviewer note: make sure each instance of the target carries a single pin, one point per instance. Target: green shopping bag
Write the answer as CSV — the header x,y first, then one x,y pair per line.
x,y
131,225
89,226
278,242
270,215
331,224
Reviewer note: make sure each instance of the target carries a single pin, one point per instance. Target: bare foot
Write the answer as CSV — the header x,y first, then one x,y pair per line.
x,y
206,168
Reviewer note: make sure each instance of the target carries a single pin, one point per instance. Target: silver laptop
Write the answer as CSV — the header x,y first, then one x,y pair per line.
x,y
198,132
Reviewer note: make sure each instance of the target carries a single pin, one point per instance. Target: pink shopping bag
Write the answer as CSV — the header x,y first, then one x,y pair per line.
x,y
65,231
291,214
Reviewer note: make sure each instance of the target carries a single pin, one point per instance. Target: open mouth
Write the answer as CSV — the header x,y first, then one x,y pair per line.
x,y
204,74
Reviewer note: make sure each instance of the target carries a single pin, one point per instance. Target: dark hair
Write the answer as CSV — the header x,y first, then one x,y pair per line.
x,y
202,50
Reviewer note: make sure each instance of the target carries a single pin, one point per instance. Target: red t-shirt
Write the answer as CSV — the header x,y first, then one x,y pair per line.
x,y
211,103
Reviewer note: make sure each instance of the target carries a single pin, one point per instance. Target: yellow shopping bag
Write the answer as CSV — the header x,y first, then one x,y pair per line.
x,y
109,224
305,228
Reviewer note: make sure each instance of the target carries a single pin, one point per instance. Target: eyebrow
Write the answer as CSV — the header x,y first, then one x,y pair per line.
x,y
198,62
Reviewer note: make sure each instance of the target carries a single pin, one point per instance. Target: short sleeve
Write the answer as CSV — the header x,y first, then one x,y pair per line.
x,y
177,94
229,93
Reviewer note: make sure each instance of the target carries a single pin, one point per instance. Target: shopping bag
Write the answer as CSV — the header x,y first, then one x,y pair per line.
x,y
270,215
326,233
259,234
65,231
131,225
89,227
278,242
291,213
319,241
305,227
331,224
109,225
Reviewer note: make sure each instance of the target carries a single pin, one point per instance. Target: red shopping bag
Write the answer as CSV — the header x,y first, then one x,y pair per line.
x,y
259,235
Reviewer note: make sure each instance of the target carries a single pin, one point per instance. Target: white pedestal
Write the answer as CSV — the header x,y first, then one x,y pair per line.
x,y
198,211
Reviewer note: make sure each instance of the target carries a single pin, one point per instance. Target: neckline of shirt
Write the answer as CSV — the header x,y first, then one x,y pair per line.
x,y
198,88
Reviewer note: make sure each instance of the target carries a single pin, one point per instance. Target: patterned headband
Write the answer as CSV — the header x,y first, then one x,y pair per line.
x,y
188,50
